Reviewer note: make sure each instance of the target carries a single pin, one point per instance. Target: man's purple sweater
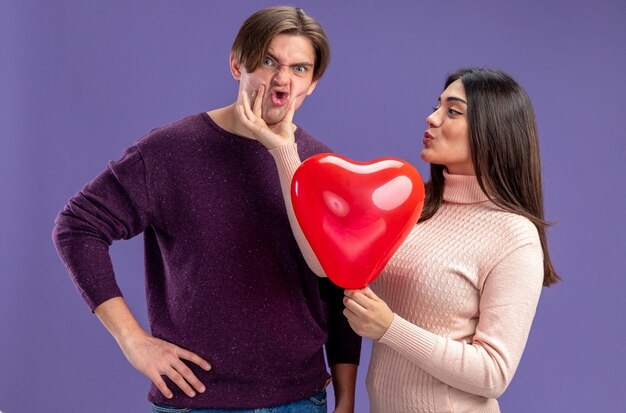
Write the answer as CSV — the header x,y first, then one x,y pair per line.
x,y
224,275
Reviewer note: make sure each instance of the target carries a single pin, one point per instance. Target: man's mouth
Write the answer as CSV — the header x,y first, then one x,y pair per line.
x,y
279,98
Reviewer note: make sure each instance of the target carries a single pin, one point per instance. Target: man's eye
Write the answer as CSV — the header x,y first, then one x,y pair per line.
x,y
300,69
268,62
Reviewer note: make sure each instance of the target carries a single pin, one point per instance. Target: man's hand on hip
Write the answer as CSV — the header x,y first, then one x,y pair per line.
x,y
150,355
155,358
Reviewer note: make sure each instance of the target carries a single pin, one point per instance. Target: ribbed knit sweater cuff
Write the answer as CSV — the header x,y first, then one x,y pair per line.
x,y
287,162
287,159
409,339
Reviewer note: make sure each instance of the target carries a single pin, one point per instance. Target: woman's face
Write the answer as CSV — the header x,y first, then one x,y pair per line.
x,y
446,141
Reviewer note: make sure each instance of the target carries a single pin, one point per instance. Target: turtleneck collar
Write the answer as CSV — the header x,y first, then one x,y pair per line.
x,y
462,189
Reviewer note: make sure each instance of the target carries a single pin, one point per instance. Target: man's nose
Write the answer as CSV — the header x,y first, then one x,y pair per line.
x,y
283,75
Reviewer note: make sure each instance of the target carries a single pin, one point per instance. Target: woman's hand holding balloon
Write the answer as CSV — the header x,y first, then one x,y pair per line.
x,y
368,315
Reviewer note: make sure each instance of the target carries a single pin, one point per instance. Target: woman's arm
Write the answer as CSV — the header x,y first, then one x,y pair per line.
x,y
484,366
280,141
287,161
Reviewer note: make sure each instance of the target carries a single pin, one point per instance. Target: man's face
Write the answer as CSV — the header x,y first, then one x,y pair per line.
x,y
286,72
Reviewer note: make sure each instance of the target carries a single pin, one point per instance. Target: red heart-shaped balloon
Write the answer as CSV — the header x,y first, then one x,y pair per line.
x,y
355,215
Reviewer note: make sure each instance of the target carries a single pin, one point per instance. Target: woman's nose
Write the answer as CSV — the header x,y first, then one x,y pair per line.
x,y
433,119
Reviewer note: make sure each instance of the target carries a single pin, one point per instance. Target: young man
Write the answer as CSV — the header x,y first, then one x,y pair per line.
x,y
238,320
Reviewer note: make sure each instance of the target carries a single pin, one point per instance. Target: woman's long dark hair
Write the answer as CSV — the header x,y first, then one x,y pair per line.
x,y
505,151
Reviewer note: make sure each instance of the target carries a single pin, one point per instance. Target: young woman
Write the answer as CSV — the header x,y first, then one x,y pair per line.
x,y
454,306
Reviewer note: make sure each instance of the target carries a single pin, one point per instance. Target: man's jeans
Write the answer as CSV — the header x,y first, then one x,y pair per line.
x,y
313,404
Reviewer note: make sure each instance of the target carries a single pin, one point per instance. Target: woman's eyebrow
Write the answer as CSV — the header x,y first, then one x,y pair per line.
x,y
455,99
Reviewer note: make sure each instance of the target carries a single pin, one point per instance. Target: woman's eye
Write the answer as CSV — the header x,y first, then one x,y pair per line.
x,y
454,112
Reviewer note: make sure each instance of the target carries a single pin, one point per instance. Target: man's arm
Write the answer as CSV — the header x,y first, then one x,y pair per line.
x,y
343,346
151,356
344,385
116,206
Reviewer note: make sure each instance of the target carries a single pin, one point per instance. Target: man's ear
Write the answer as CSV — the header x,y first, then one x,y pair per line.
x,y
312,87
235,67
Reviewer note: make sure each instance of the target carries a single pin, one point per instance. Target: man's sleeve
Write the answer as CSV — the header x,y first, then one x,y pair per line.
x,y
343,344
113,206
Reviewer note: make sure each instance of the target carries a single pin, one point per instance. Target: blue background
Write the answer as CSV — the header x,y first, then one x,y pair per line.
x,y
81,80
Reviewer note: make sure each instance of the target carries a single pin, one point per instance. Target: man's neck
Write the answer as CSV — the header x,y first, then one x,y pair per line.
x,y
227,119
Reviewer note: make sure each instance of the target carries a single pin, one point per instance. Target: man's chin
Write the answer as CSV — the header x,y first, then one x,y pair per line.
x,y
273,118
